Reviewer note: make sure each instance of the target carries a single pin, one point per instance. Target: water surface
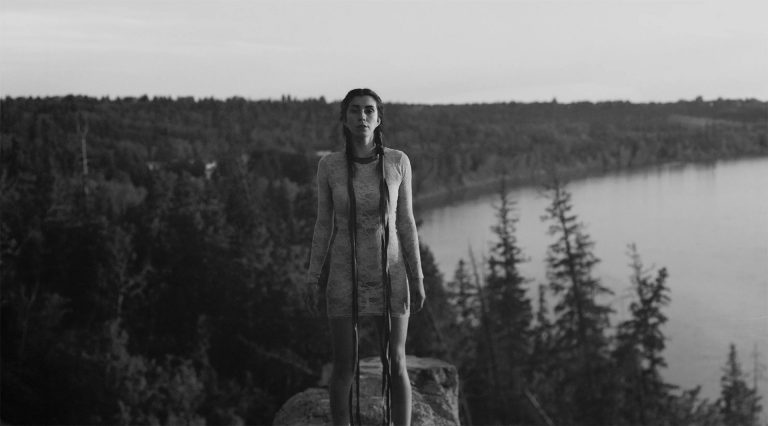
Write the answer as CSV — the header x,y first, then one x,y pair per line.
x,y
708,224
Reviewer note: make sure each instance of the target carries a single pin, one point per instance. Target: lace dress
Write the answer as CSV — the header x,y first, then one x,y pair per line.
x,y
331,235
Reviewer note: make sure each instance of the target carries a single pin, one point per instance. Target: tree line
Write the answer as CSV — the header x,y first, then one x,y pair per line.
x,y
152,249
452,146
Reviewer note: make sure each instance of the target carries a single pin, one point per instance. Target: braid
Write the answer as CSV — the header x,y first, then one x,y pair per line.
x,y
353,250
386,284
386,380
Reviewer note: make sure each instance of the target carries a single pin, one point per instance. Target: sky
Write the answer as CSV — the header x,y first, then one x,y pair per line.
x,y
428,51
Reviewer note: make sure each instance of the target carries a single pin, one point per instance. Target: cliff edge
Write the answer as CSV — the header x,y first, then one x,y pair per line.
x,y
435,386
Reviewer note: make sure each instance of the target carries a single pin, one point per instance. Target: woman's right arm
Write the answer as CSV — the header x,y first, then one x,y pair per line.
x,y
321,237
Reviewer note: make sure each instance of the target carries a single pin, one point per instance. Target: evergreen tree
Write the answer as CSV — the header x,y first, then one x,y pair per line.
x,y
427,330
542,363
739,403
463,298
509,313
688,408
485,389
581,319
640,343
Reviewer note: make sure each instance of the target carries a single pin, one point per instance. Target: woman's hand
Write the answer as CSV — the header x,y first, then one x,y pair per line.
x,y
312,298
418,297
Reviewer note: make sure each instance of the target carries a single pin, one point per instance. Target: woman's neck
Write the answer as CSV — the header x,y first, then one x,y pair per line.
x,y
363,147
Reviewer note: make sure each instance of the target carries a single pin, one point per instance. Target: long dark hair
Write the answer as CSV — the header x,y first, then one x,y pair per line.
x,y
384,220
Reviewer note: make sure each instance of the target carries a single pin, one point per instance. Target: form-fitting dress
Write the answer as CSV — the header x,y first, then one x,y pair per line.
x,y
333,217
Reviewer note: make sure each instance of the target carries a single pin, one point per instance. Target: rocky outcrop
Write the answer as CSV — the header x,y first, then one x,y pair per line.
x,y
435,386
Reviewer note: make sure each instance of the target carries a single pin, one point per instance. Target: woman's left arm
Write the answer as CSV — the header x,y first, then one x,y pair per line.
x,y
409,238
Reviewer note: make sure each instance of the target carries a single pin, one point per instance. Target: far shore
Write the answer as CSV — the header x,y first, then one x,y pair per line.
x,y
443,196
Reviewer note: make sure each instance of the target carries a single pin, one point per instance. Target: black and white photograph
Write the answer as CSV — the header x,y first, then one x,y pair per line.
x,y
384,212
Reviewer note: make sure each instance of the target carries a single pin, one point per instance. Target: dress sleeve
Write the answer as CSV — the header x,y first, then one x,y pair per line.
x,y
321,238
406,224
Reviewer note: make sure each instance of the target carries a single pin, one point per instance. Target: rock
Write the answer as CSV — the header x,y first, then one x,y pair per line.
x,y
435,387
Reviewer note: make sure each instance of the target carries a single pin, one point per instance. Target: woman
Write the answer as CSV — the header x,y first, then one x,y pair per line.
x,y
365,224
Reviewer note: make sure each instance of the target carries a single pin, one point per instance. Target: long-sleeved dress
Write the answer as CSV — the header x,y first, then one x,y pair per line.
x,y
331,235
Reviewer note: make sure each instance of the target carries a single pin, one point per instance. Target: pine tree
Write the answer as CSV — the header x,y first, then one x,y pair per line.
x,y
463,297
486,388
640,343
509,310
739,403
542,362
580,341
427,331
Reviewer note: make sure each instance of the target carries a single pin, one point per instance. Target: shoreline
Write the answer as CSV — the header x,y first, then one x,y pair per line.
x,y
449,195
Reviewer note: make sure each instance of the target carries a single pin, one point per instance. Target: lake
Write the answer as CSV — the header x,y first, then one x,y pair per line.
x,y
707,223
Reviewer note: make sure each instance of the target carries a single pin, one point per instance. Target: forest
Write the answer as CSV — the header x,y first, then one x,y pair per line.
x,y
153,250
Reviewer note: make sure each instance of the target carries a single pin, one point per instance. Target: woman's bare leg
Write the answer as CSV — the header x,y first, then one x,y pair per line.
x,y
343,369
401,384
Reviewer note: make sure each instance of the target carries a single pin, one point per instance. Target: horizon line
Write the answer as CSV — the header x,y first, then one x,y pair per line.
x,y
292,98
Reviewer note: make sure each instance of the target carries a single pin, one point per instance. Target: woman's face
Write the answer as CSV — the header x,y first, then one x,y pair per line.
x,y
362,116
